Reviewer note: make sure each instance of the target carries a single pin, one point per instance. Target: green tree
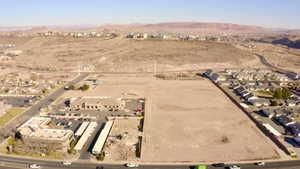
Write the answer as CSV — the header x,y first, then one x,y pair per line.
x,y
278,93
45,90
100,156
72,87
286,94
84,87
18,135
274,103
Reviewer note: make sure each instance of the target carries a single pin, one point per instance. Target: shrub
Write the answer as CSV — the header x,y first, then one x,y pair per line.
x,y
278,93
100,157
274,103
72,87
84,87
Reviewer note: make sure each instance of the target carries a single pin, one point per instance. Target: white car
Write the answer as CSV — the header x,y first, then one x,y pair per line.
x,y
261,163
34,166
67,163
132,165
234,167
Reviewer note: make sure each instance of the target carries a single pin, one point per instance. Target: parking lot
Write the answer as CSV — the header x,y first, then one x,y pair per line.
x,y
19,101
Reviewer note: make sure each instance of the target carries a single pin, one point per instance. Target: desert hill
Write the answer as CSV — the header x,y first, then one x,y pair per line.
x,y
126,55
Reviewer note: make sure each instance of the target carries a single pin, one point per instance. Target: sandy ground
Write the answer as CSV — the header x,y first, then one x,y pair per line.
x,y
194,121
189,121
280,56
123,149
126,55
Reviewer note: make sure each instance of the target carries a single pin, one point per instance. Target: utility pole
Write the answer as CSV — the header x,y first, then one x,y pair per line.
x,y
155,68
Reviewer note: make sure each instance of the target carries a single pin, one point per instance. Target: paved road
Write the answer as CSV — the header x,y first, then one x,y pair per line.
x,y
283,71
20,119
16,162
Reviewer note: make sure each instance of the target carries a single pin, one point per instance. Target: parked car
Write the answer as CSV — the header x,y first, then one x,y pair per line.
x,y
132,165
99,167
67,163
200,167
219,165
260,163
234,167
36,166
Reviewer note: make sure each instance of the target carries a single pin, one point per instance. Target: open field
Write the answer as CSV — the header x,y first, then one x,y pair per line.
x,y
189,121
196,122
124,147
280,56
11,113
119,54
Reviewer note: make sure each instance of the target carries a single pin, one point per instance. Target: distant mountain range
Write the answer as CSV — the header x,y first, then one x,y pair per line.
x,y
192,27
34,29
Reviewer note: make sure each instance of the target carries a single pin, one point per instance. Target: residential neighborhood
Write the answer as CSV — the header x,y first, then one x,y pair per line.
x,y
267,97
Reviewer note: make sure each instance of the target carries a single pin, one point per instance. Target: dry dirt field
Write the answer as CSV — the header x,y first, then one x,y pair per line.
x,y
122,149
280,56
120,54
189,121
195,121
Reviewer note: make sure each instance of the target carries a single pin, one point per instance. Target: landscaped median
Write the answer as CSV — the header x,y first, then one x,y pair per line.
x,y
10,114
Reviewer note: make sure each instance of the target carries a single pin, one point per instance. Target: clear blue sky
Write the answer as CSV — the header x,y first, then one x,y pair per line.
x,y
268,13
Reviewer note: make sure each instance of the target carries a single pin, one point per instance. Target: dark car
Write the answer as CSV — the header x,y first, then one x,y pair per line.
x,y
99,167
219,165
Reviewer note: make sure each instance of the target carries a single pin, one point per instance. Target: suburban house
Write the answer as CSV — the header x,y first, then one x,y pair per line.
x,y
266,113
284,121
259,102
294,129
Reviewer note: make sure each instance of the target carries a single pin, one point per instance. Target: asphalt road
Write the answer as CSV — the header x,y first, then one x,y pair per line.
x,y
20,119
266,63
16,162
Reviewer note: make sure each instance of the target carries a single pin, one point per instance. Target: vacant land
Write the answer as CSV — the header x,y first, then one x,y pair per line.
x,y
11,113
122,141
196,122
119,54
189,121
280,56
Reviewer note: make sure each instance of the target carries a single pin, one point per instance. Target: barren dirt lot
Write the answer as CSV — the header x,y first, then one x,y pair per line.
x,y
195,121
280,56
189,121
124,148
120,54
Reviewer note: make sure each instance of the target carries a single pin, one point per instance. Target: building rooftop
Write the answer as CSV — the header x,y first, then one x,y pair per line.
x,y
97,100
37,127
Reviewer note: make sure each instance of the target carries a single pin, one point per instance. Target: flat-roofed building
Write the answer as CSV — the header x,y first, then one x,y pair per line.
x,y
85,136
97,149
39,137
97,103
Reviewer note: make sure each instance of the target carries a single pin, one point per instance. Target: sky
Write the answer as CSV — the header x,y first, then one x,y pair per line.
x,y
267,13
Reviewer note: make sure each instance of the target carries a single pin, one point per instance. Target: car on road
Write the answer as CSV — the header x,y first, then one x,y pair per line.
x,y
67,163
234,167
199,167
99,167
36,166
260,163
132,165
218,165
